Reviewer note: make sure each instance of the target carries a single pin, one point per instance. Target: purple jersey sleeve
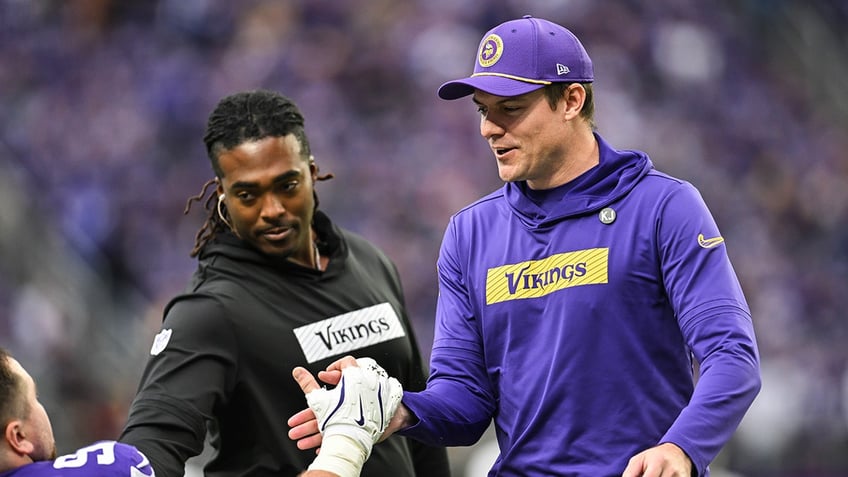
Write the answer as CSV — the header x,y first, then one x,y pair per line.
x,y
449,414
716,324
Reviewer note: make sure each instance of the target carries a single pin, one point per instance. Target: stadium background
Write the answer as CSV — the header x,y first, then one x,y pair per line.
x,y
102,109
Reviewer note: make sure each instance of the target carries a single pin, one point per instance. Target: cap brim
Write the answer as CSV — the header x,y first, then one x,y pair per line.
x,y
496,85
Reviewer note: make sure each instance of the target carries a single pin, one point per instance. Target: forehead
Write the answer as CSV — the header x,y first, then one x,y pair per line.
x,y
252,160
482,97
288,145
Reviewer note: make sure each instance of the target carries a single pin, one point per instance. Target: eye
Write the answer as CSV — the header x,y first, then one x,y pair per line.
x,y
245,196
481,110
289,186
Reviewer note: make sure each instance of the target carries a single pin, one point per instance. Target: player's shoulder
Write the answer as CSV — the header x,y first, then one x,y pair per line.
x,y
101,459
488,206
364,251
658,178
661,187
487,200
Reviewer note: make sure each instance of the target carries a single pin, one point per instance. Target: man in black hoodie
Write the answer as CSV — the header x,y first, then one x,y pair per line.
x,y
278,285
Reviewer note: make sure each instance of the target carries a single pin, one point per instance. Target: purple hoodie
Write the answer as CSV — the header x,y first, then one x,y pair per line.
x,y
572,316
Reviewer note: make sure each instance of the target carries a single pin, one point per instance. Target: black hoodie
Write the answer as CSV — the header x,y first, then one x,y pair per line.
x,y
223,359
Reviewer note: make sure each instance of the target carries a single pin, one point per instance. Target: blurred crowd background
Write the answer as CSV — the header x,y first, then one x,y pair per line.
x,y
103,105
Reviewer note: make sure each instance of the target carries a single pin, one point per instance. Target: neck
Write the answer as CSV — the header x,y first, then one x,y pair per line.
x,y
12,460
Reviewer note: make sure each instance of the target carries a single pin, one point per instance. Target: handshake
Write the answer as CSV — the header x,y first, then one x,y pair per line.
x,y
349,419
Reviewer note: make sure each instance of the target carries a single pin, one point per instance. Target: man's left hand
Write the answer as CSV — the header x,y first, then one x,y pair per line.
x,y
664,460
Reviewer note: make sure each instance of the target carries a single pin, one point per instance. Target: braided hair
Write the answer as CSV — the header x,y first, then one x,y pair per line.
x,y
239,118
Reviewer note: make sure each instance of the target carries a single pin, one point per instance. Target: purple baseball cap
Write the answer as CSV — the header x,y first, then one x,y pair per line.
x,y
519,56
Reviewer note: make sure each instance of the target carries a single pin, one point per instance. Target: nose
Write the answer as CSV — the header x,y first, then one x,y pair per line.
x,y
489,128
272,207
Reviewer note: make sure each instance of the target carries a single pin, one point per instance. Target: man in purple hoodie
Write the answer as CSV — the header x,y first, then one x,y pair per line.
x,y
575,301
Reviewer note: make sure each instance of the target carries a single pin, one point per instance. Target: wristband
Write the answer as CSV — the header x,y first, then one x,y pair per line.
x,y
341,455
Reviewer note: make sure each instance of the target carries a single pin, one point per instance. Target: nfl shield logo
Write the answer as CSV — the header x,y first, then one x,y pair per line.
x,y
160,341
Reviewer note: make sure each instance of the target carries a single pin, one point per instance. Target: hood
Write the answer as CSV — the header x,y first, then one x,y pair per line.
x,y
616,174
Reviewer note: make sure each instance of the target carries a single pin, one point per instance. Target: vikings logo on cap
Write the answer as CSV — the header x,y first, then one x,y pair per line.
x,y
490,50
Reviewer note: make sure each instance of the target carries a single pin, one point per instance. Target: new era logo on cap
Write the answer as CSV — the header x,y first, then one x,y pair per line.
x,y
523,55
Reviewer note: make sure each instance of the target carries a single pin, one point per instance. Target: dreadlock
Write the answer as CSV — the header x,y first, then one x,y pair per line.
x,y
239,118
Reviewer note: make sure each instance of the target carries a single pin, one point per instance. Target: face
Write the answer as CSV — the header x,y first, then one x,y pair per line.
x,y
527,137
268,187
36,425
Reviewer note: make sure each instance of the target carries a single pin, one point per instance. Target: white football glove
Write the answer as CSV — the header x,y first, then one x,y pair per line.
x,y
353,415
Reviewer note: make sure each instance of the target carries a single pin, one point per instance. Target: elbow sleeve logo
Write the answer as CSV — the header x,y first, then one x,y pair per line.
x,y
709,242
160,342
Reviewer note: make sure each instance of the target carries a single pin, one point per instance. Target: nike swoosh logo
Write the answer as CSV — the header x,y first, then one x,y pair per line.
x,y
380,402
361,420
338,405
709,242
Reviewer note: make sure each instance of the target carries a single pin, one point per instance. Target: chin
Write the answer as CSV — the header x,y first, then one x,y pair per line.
x,y
268,248
276,252
508,174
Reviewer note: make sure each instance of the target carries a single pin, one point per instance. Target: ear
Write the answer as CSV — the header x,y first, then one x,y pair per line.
x,y
219,189
16,438
313,168
573,98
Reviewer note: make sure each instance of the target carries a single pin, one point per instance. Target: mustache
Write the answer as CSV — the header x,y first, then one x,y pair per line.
x,y
278,226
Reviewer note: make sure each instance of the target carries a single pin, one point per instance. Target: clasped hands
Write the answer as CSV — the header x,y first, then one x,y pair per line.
x,y
357,413
359,407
